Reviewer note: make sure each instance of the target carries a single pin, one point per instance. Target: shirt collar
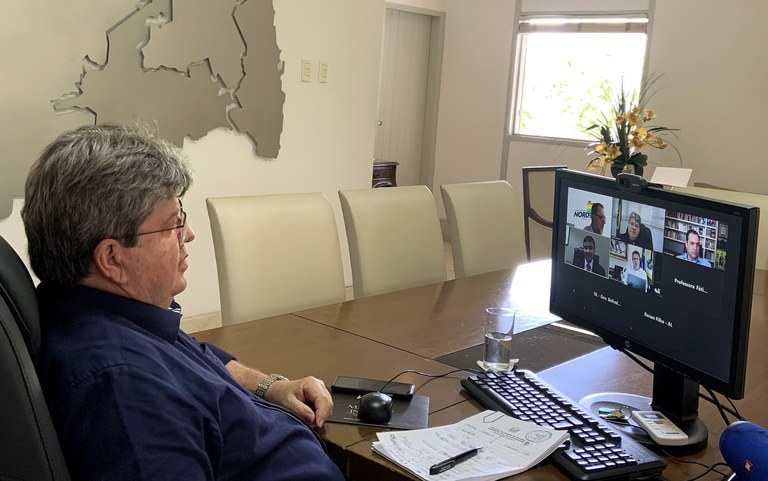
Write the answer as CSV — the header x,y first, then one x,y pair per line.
x,y
164,323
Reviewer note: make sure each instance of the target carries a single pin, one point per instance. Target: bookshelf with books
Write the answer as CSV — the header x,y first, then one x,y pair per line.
x,y
676,226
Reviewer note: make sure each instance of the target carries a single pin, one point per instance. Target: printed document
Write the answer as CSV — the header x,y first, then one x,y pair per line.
x,y
508,446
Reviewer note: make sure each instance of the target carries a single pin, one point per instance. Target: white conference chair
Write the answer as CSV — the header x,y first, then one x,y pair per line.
x,y
394,236
275,254
486,226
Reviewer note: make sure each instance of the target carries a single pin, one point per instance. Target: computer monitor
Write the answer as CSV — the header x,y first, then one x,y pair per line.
x,y
670,280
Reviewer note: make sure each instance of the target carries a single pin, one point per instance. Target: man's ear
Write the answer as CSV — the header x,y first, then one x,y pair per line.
x,y
108,261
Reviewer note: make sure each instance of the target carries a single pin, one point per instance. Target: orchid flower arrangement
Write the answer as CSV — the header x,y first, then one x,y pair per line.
x,y
620,136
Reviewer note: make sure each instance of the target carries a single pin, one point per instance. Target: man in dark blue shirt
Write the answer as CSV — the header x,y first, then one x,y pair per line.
x,y
132,396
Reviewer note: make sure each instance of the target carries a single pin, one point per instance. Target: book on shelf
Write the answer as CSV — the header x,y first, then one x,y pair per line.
x,y
507,445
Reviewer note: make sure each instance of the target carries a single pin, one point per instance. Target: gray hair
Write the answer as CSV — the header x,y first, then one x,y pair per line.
x,y
94,183
636,216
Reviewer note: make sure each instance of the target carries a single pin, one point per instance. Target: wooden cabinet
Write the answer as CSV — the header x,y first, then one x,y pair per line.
x,y
384,174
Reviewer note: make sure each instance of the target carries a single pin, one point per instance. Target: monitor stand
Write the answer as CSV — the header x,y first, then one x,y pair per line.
x,y
626,403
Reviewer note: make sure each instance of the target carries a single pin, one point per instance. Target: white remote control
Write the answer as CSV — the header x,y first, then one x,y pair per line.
x,y
660,428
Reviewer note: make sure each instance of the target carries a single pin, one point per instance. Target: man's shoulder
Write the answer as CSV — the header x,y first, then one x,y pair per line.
x,y
71,355
598,267
77,344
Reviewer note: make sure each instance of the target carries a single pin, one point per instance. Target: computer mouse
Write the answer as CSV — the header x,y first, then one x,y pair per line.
x,y
375,408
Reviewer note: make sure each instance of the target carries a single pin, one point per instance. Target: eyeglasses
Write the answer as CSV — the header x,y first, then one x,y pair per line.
x,y
181,227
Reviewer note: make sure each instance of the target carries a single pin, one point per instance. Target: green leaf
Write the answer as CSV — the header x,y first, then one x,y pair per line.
x,y
640,159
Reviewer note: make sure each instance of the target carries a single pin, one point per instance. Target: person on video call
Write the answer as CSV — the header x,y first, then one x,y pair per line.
x,y
692,245
597,219
586,258
637,234
635,276
131,395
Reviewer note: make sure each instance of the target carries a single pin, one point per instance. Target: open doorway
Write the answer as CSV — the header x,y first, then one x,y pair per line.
x,y
409,89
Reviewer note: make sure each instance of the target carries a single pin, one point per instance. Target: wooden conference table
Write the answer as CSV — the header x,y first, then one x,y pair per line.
x,y
380,336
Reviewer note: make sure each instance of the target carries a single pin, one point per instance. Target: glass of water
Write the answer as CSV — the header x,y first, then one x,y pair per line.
x,y
499,326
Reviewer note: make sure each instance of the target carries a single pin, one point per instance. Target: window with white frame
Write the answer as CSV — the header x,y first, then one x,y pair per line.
x,y
567,67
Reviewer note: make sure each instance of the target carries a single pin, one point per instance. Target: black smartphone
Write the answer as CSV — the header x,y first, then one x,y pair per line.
x,y
356,385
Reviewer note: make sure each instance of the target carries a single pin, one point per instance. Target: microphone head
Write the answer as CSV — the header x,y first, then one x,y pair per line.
x,y
744,446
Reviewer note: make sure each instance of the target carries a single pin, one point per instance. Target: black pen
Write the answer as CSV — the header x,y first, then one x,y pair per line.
x,y
451,462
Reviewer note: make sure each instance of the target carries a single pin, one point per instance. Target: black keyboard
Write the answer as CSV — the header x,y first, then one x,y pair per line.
x,y
595,451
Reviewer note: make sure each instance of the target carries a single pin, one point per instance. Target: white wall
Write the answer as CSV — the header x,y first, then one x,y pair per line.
x,y
715,75
473,92
712,89
434,5
471,118
328,131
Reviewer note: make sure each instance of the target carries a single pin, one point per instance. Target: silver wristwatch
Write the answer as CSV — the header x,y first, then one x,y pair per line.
x,y
261,389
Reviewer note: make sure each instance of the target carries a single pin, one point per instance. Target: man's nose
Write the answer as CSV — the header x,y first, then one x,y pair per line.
x,y
190,235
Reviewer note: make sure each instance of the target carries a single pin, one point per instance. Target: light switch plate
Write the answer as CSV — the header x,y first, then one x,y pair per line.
x,y
306,70
322,71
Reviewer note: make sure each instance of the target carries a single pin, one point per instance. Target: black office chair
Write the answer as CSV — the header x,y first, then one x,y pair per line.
x,y
645,237
29,448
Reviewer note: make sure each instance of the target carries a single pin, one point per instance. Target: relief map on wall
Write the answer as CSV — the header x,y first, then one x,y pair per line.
x,y
159,67
182,67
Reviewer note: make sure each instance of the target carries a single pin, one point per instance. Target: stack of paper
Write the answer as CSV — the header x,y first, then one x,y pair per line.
x,y
509,446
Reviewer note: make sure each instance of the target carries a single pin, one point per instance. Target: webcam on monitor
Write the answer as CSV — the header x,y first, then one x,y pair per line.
x,y
631,182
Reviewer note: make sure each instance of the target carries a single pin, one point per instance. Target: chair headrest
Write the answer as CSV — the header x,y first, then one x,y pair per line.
x,y
18,292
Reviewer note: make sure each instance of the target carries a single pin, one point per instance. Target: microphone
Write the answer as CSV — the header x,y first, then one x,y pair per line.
x,y
744,446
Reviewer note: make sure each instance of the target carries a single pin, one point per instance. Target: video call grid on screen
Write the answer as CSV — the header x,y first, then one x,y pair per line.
x,y
659,231
651,262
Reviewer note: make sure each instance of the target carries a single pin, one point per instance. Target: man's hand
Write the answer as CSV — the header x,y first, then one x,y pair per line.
x,y
307,398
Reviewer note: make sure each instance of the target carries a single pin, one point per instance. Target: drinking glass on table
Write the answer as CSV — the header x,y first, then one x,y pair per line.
x,y
499,326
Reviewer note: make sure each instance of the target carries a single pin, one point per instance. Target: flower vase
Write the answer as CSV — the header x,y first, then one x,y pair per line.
x,y
626,168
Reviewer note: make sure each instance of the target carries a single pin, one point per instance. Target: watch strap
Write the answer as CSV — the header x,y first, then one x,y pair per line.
x,y
261,389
